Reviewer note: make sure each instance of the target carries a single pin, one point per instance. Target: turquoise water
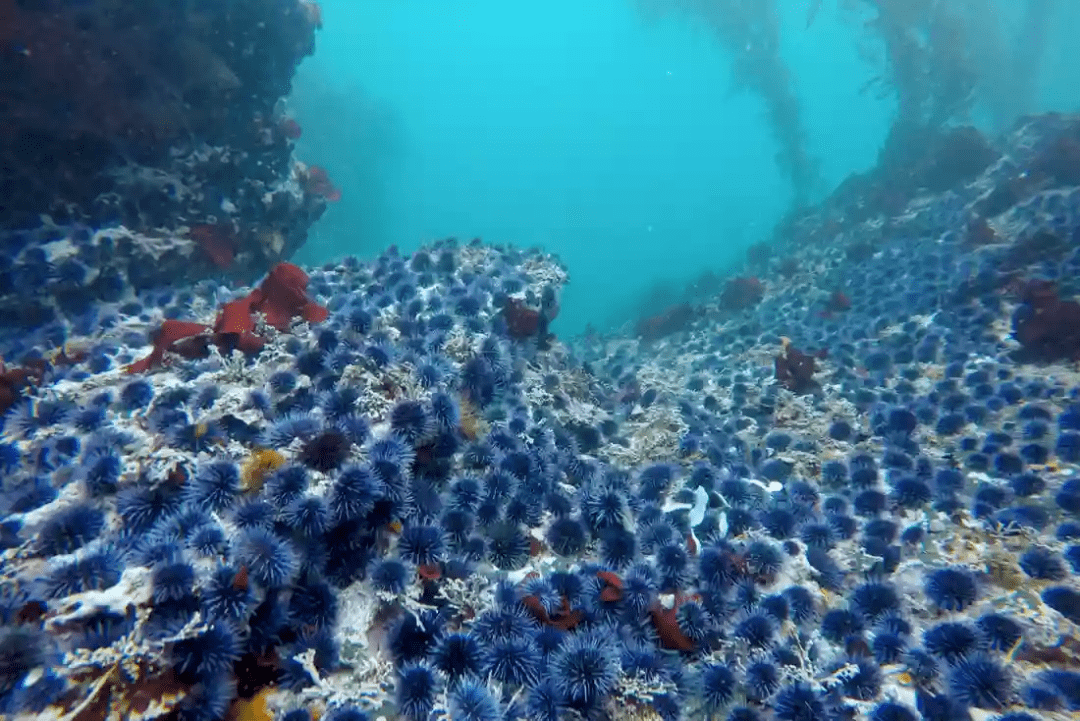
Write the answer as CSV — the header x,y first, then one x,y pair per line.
x,y
618,139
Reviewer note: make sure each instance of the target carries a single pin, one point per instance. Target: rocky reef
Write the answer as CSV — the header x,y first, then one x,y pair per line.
x,y
844,487
842,482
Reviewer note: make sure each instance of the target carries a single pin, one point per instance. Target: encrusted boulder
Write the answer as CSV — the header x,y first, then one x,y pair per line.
x,y
143,145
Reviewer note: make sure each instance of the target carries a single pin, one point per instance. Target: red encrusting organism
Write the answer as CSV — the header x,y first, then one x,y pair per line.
x,y
564,619
613,587
666,622
281,297
674,319
1047,326
794,369
316,181
429,572
31,612
521,321
290,128
14,380
742,293
215,242
167,336
240,580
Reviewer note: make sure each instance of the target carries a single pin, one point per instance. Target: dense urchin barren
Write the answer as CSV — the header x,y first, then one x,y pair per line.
x,y
409,497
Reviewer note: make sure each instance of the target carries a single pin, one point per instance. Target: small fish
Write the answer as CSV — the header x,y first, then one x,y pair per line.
x,y
815,7
701,504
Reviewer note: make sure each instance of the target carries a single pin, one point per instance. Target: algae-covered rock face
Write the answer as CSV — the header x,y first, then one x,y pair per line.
x,y
143,145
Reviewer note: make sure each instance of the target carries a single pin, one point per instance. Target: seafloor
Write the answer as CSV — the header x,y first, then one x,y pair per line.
x,y
842,485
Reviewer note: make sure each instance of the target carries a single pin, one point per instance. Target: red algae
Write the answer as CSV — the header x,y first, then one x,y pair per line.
x,y
521,321
742,293
214,240
14,380
316,181
281,297
1047,326
794,369
666,623
672,320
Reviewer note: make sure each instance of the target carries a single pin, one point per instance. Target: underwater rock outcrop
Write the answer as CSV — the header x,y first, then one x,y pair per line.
x,y
913,449
143,145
